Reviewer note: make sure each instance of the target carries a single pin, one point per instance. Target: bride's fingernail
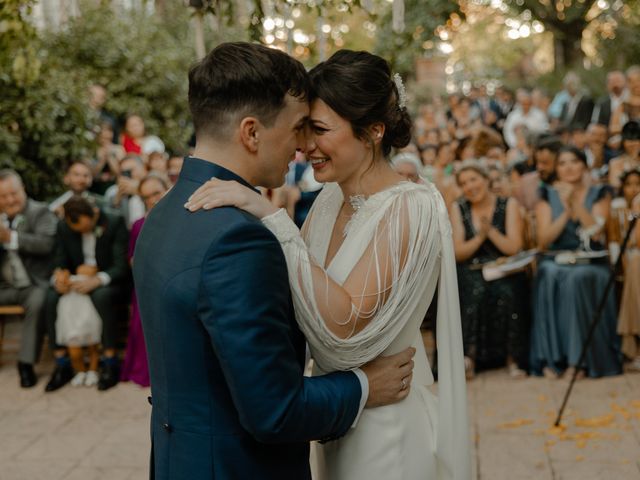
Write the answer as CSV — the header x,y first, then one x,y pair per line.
x,y
205,206
187,205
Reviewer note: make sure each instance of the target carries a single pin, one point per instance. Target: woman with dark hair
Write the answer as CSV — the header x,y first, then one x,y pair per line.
x,y
494,317
568,286
135,367
364,270
629,316
630,158
105,166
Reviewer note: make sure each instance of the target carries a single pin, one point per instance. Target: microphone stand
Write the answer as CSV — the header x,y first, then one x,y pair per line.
x,y
598,313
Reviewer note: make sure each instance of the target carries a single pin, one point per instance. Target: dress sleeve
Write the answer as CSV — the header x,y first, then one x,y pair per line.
x,y
543,193
410,248
351,322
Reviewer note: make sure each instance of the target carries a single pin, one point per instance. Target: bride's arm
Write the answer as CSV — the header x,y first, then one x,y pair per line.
x,y
348,308
344,309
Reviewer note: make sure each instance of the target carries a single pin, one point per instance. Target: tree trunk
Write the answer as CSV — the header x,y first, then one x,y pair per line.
x,y
198,21
567,47
161,8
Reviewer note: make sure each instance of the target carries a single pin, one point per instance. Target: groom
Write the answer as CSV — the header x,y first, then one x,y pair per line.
x,y
225,354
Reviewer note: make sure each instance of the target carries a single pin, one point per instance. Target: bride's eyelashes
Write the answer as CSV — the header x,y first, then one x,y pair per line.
x,y
318,129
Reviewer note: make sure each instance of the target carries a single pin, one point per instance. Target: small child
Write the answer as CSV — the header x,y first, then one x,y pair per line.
x,y
79,325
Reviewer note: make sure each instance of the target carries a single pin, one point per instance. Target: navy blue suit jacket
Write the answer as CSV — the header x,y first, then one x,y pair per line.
x,y
225,354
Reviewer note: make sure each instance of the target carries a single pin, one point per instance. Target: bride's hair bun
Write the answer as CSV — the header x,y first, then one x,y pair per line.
x,y
359,87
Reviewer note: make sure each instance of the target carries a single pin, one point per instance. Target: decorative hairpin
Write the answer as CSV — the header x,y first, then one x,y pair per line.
x,y
402,92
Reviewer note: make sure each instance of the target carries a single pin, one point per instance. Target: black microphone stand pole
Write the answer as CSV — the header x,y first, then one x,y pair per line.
x,y
598,314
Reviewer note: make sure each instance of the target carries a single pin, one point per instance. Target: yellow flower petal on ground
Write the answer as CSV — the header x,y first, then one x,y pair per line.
x,y
557,430
601,421
517,423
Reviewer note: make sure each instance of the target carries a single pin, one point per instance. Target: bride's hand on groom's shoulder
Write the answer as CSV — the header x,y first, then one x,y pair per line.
x,y
389,378
222,193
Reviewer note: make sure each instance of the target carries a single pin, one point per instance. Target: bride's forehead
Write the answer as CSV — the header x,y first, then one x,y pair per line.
x,y
321,111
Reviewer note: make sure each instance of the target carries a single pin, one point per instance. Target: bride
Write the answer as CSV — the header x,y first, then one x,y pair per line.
x,y
364,269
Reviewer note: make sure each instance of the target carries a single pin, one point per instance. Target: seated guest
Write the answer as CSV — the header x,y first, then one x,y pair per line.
x,y
629,317
571,216
123,196
408,165
135,367
79,326
89,236
105,164
545,154
596,146
158,162
78,180
27,235
135,139
630,158
174,165
494,315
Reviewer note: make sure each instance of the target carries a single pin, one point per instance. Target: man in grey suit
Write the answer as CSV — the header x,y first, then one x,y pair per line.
x,y
27,236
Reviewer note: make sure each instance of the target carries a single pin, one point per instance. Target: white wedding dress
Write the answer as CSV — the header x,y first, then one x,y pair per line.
x,y
405,232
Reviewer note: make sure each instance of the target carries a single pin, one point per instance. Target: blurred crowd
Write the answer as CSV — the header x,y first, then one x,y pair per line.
x,y
550,178
67,261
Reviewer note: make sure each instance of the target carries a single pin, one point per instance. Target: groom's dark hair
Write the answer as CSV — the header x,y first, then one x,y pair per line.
x,y
238,79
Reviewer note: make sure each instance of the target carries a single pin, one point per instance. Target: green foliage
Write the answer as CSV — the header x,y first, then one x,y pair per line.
x,y
41,112
44,117
142,60
623,49
421,19
593,81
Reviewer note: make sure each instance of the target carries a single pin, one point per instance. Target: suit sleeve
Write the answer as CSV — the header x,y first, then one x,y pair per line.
x,y
60,255
41,241
245,304
119,266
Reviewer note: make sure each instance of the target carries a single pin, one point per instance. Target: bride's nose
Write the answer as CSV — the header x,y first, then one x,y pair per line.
x,y
310,142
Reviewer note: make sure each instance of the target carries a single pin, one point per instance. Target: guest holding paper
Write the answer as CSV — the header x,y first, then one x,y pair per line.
x,y
571,216
629,316
494,315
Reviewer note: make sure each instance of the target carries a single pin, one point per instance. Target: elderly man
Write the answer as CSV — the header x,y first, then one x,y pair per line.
x,y
27,235
408,165
576,112
616,84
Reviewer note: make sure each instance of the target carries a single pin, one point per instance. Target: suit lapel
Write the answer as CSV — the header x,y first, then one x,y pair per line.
x,y
103,242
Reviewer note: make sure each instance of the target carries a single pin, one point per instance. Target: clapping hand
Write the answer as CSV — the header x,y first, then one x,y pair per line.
x,y
127,186
485,227
635,204
86,285
567,195
62,281
5,234
220,193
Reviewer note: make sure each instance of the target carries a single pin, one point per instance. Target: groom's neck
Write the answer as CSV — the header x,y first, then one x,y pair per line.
x,y
226,156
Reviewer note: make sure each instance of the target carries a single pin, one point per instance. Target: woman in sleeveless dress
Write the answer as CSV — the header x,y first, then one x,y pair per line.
x,y
364,270
629,316
571,216
495,315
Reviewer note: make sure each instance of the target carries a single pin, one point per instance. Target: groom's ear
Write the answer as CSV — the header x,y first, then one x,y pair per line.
x,y
249,133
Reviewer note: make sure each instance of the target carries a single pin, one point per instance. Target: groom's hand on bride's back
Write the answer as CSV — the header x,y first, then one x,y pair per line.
x,y
389,378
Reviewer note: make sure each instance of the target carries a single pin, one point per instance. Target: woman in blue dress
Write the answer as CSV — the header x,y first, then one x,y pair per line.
x,y
570,216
